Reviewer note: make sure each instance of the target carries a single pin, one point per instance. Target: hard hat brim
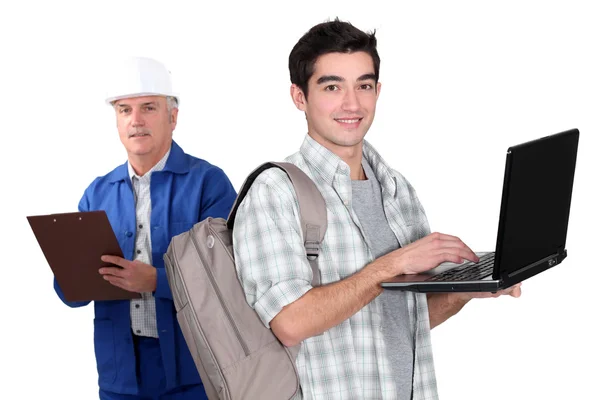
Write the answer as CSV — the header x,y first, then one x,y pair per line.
x,y
110,100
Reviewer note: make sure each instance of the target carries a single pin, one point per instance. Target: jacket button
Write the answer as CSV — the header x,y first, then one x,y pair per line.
x,y
129,234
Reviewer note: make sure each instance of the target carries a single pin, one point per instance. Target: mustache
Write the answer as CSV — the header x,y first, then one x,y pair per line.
x,y
138,131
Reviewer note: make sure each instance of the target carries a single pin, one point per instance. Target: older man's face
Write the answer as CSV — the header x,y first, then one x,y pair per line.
x,y
145,125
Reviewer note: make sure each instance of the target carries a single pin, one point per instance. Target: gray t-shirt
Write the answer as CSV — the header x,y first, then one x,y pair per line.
x,y
397,327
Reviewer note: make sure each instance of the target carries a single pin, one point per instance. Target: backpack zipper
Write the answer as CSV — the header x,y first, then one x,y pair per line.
x,y
177,271
220,296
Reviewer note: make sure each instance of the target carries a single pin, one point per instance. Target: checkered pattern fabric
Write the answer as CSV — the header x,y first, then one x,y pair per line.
x,y
349,360
143,311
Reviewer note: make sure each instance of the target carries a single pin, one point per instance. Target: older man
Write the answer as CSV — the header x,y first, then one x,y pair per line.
x,y
158,193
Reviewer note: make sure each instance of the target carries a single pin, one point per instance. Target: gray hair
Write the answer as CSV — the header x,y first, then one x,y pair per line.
x,y
172,103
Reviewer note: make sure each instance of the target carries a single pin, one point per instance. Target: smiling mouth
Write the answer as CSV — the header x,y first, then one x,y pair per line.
x,y
139,135
348,120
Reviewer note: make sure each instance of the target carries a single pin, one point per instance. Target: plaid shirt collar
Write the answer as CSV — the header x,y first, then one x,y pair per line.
x,y
327,164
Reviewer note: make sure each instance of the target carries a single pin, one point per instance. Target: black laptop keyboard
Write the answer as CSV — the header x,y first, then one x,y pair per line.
x,y
469,271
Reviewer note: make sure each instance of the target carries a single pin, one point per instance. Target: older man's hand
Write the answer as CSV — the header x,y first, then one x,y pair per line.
x,y
133,276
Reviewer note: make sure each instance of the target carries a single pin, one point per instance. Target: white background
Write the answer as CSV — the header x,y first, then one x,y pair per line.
x,y
461,82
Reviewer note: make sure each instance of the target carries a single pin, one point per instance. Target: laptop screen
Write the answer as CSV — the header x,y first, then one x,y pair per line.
x,y
536,200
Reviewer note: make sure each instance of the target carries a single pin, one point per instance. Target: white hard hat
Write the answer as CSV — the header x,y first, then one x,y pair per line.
x,y
137,77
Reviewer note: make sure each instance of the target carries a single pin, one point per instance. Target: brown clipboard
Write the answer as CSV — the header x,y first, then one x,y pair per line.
x,y
73,244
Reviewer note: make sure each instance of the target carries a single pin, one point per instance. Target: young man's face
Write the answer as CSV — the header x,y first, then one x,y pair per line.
x,y
342,95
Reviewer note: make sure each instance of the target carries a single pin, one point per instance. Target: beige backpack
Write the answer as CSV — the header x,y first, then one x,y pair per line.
x,y
236,356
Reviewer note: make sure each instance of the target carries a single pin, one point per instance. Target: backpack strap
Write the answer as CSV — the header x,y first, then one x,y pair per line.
x,y
313,213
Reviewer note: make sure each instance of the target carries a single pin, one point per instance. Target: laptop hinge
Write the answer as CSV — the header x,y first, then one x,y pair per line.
x,y
551,261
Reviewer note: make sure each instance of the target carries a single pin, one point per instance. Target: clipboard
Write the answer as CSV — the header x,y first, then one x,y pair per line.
x,y
73,244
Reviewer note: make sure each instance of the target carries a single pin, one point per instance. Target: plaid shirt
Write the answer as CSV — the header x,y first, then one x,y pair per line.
x,y
143,311
349,360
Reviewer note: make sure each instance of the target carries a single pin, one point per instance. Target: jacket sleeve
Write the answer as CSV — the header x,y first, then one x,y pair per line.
x,y
83,206
217,199
218,196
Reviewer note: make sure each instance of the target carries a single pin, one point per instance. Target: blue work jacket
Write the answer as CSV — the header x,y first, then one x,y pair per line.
x,y
186,191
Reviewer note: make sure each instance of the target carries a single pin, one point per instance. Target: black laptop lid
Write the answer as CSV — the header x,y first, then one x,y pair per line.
x,y
536,200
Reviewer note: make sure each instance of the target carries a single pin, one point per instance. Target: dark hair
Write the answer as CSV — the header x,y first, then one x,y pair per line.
x,y
329,37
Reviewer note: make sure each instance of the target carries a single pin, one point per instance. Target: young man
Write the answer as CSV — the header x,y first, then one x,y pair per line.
x,y
158,193
358,342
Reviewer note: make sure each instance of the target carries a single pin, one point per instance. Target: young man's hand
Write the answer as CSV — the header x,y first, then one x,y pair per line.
x,y
514,291
425,254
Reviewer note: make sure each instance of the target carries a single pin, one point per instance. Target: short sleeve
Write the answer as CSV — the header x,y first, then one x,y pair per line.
x,y
268,246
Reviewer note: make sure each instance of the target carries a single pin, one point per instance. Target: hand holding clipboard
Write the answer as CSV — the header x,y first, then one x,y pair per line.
x,y
73,244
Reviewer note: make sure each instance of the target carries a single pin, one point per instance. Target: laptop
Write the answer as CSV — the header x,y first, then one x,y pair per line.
x,y
532,230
